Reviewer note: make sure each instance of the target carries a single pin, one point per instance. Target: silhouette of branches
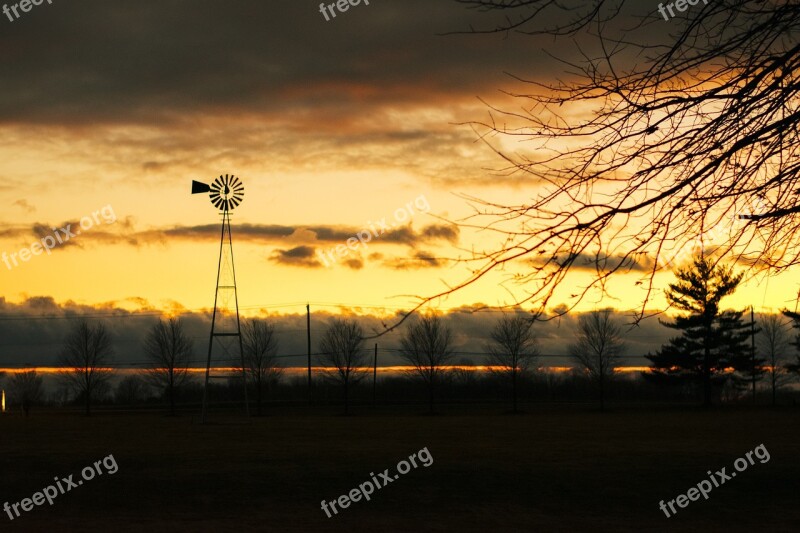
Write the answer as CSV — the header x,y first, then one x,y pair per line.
x,y
85,359
646,146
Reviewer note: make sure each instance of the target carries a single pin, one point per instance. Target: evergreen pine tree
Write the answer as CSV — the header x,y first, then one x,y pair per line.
x,y
712,342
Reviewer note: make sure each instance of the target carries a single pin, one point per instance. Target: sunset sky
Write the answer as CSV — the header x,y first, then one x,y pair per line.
x,y
331,125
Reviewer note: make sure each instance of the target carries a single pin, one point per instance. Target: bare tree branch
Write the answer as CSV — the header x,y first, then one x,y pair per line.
x,y
169,351
342,350
513,349
260,349
86,357
426,345
650,147
598,347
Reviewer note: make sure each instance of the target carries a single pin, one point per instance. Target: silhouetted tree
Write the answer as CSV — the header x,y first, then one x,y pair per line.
x,y
260,349
653,140
86,357
794,368
513,349
426,346
130,390
464,375
711,340
169,351
774,343
598,347
26,388
342,349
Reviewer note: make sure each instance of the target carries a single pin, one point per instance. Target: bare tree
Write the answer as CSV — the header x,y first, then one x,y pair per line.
x,y
773,340
169,351
342,350
598,347
26,388
131,390
86,357
464,373
426,347
513,349
260,348
653,142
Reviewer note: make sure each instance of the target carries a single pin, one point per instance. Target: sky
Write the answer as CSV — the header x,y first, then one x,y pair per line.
x,y
354,126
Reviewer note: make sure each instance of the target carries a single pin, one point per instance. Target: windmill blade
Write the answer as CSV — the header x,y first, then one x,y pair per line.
x,y
199,187
226,192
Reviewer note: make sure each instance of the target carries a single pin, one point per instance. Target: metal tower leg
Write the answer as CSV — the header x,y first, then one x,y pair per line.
x,y
225,327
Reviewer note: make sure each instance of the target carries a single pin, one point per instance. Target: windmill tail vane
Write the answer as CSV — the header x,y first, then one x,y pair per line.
x,y
226,192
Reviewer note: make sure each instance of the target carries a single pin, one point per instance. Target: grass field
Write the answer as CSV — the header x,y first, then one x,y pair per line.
x,y
569,469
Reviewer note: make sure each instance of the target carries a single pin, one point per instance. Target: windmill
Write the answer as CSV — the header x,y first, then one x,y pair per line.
x,y
226,193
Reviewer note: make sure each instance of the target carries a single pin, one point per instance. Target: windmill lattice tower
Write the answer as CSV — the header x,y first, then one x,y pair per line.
x,y
226,192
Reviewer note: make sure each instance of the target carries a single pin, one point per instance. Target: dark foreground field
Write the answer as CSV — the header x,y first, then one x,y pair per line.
x,y
571,470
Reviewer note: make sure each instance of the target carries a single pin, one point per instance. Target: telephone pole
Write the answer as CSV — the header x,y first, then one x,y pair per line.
x,y
374,374
772,214
753,352
308,337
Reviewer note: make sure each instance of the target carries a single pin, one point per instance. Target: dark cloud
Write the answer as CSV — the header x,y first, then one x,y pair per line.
x,y
354,263
302,256
208,231
634,263
93,61
309,235
124,232
447,232
24,205
380,86
417,261
32,332
57,237
605,263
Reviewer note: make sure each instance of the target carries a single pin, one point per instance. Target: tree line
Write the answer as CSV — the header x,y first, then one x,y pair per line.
x,y
710,354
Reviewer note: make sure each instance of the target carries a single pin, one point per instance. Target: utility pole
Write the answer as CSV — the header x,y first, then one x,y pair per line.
x,y
374,374
308,336
753,352
761,216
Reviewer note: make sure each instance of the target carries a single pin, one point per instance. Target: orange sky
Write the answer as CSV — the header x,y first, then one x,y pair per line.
x,y
331,127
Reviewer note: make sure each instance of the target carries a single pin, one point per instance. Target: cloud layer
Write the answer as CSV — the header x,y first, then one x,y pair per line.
x,y
33,331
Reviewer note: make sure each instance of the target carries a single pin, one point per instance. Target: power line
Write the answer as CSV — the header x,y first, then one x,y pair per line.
x,y
125,364
389,351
